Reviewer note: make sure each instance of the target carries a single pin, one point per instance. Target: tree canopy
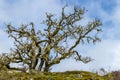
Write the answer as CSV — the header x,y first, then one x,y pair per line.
x,y
40,50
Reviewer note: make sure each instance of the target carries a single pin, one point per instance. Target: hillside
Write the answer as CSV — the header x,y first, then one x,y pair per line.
x,y
69,75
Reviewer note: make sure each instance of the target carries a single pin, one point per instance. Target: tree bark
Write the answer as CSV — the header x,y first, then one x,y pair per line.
x,y
41,64
47,67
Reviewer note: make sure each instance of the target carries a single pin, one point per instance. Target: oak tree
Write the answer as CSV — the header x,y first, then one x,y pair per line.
x,y
41,49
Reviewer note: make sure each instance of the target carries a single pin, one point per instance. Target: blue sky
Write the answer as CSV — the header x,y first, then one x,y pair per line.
x,y
106,54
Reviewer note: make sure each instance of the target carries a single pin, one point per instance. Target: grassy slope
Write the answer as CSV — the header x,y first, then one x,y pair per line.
x,y
69,75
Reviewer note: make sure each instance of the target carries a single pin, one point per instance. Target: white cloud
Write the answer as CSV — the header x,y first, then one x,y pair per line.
x,y
5,43
105,54
25,11
114,31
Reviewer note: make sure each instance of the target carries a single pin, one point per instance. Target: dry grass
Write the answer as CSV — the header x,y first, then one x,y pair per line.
x,y
35,75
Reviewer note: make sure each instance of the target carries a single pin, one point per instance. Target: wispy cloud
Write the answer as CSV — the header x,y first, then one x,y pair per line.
x,y
27,10
115,20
